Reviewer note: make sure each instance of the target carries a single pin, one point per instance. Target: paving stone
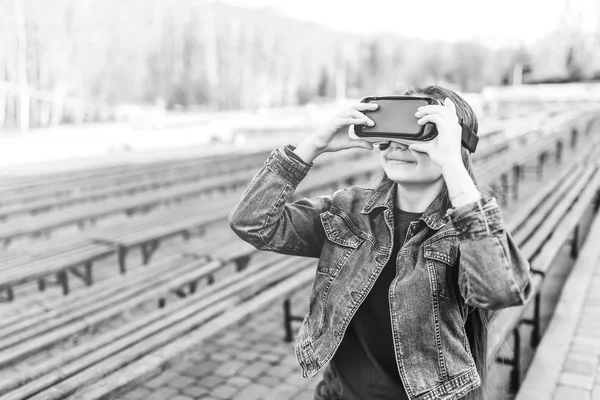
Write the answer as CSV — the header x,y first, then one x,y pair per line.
x,y
255,369
304,395
162,394
280,392
225,391
282,371
252,392
210,381
271,358
230,368
587,368
181,397
570,393
220,356
576,380
195,391
201,369
239,381
139,393
249,355
181,381
269,381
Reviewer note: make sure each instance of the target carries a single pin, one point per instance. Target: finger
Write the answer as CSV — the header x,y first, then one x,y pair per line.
x,y
358,115
418,148
450,104
352,143
365,106
344,121
434,118
431,109
452,107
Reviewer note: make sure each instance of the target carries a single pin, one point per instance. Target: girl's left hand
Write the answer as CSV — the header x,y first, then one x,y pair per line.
x,y
445,148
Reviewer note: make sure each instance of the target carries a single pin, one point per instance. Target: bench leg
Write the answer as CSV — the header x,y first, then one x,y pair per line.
x,y
210,279
63,280
148,250
559,146
288,318
241,263
88,274
515,362
575,242
287,323
504,184
10,295
515,187
535,322
573,138
540,166
85,275
122,254
41,284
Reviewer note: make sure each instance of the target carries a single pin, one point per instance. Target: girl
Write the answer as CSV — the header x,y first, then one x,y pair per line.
x,y
408,272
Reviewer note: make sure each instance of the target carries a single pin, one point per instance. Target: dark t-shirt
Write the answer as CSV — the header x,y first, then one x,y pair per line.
x,y
365,362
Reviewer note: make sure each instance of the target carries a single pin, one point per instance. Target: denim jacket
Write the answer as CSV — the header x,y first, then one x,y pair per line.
x,y
451,262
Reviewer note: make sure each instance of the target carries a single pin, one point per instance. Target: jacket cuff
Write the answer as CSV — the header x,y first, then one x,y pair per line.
x,y
287,168
289,151
479,218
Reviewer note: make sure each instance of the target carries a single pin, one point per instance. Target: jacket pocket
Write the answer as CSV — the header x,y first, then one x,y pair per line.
x,y
441,257
343,238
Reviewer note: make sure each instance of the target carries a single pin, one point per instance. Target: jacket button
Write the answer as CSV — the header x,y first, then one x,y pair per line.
x,y
334,233
380,259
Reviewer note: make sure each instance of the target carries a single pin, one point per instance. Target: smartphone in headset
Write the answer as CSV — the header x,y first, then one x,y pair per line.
x,y
395,119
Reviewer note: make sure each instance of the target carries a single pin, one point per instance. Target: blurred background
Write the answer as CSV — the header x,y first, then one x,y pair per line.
x,y
185,66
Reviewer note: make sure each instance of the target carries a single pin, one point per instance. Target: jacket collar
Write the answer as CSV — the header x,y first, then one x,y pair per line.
x,y
384,197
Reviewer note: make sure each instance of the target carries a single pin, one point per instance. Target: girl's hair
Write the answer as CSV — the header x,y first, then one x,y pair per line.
x,y
476,325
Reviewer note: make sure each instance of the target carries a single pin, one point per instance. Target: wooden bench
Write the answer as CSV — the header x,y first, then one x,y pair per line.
x,y
137,340
543,375
540,229
75,257
90,213
146,233
64,185
496,171
238,173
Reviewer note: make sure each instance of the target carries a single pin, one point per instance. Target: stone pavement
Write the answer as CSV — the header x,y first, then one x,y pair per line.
x,y
566,365
248,362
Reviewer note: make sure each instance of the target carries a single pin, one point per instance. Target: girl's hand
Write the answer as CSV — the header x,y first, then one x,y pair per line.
x,y
333,135
445,148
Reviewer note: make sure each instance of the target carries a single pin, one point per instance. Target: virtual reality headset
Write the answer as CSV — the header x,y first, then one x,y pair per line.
x,y
395,121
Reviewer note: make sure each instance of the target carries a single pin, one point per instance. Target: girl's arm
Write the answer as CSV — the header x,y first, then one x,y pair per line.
x,y
493,273
264,218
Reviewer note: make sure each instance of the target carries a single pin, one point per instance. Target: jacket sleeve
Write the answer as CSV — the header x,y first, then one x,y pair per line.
x,y
266,219
493,273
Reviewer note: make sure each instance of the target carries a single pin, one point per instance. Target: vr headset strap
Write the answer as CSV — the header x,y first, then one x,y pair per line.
x,y
469,138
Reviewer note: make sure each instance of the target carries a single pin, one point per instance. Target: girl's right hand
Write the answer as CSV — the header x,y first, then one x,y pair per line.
x,y
333,135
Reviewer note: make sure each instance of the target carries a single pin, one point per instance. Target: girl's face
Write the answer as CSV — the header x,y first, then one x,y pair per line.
x,y
404,166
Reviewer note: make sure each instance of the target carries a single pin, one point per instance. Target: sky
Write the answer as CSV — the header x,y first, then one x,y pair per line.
x,y
495,22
